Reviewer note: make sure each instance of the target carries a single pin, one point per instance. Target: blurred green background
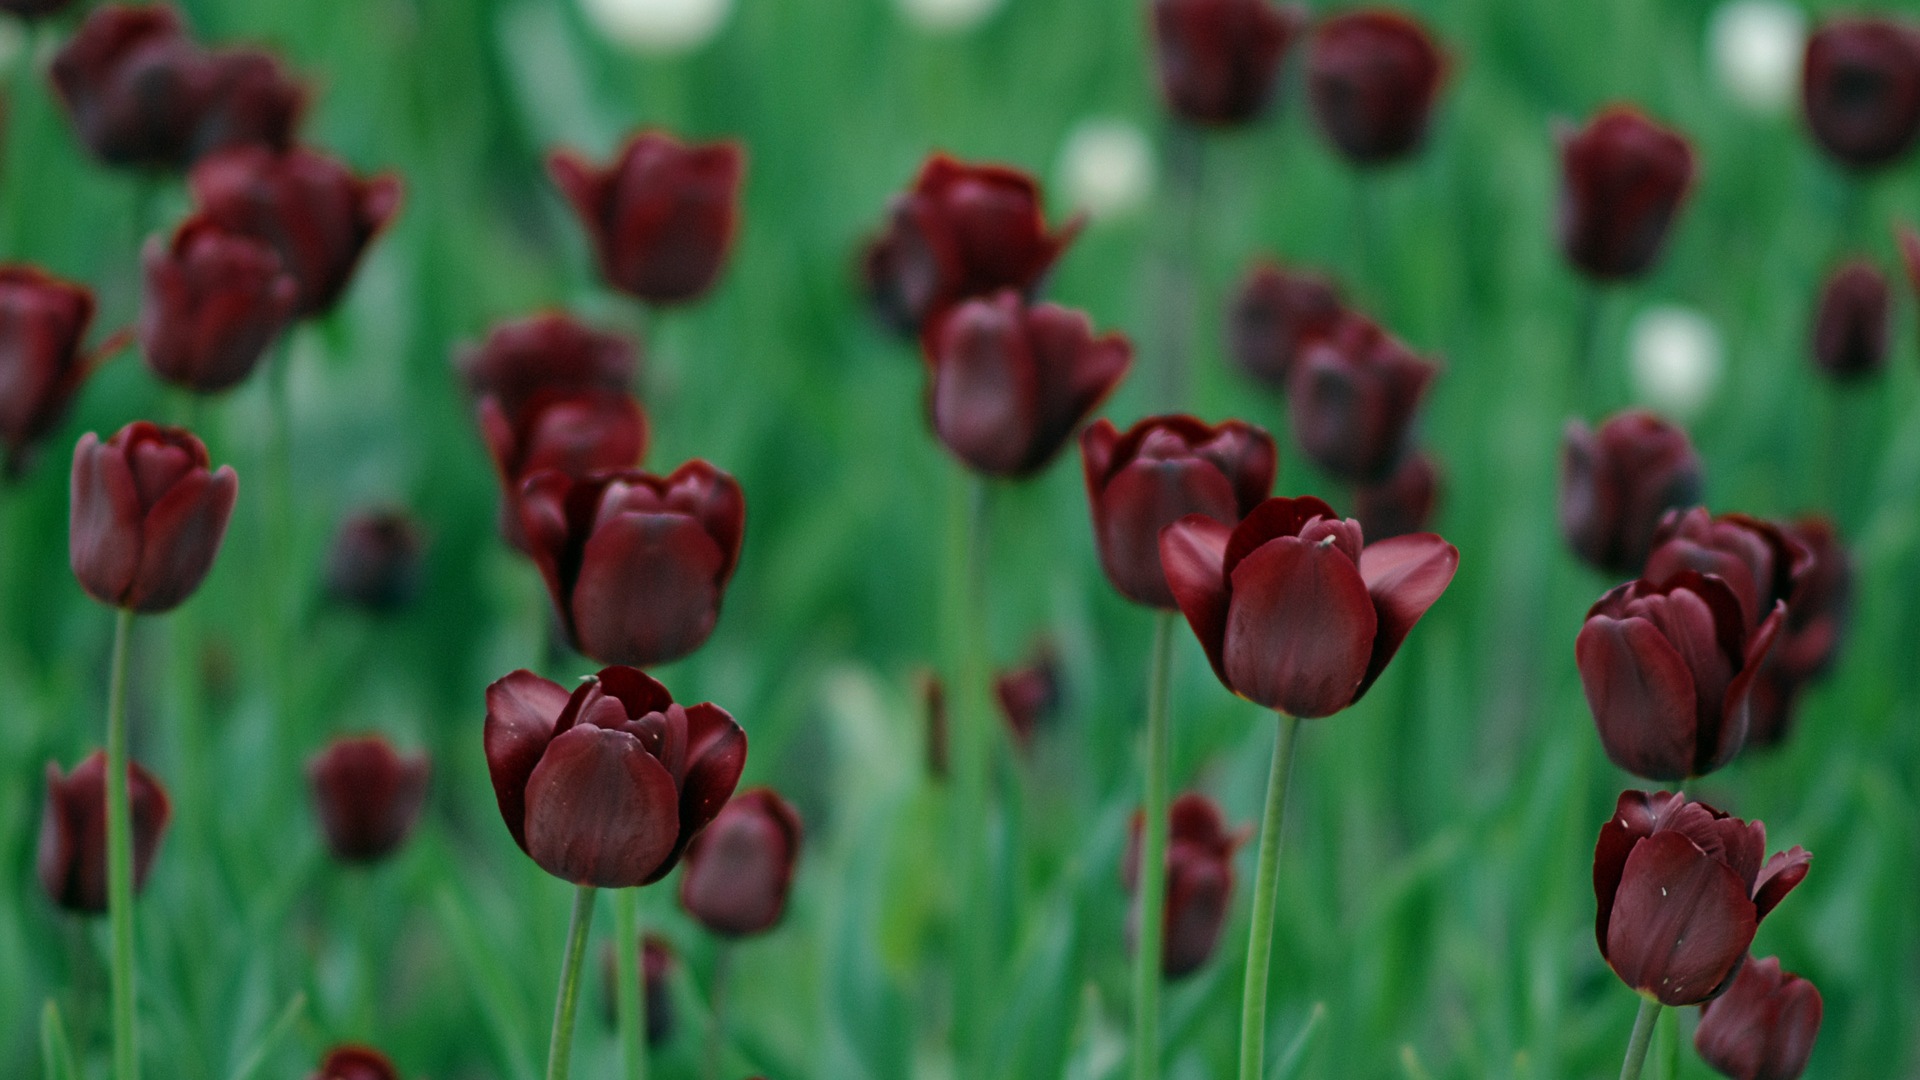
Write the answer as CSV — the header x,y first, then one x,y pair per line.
x,y
1436,909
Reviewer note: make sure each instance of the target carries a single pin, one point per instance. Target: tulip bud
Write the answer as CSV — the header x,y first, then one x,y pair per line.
x,y
657,964
1314,618
607,785
1402,503
1161,470
134,85
1029,695
1757,559
1199,882
524,358
368,796
73,832
1817,614
740,868
251,101
1860,89
1681,888
1763,1027
375,562
1352,397
661,216
1274,316
356,1063
214,301
1219,60
1616,484
1623,178
147,516
43,330
1852,332
1371,78
576,433
1011,382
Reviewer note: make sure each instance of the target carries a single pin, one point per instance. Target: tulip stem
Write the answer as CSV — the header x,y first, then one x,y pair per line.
x,y
560,1048
1587,381
1266,891
966,631
717,1009
1179,296
1152,880
126,1049
1641,1039
630,993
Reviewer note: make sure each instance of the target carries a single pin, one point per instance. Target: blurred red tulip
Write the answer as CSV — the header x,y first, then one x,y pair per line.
x,y
1853,329
147,516
1029,695
1763,1027
740,868
1199,882
1352,397
525,358
1220,60
1860,89
1617,483
368,796
1757,559
1372,77
375,561
577,433
1817,614
43,357
1402,503
135,86
1623,179
356,1063
72,860
214,301
252,100
1274,315
657,964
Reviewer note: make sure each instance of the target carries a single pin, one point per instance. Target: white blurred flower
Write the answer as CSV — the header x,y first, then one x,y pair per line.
x,y
948,16
1106,167
1756,47
1675,356
657,25
13,42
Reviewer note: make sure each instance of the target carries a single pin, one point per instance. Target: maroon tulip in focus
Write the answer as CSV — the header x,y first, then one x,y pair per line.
x,y
1860,89
135,86
1851,332
1763,1027
657,963
356,1063
1817,614
1220,60
1623,178
607,785
147,516
43,360
740,868
1352,396
368,796
636,564
1372,77
963,231
1681,889
1199,882
375,561
1617,483
251,101
1402,503
72,861
1275,314
1029,695
214,301
1010,381
1293,613
661,216
1161,470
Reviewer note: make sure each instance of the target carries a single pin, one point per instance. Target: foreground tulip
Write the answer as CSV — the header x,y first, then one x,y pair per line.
x,y
661,216
147,516
43,357
1371,78
135,86
577,434
1763,1027
214,301
72,861
356,1063
657,964
1817,614
1852,328
1162,469
1860,89
1199,881
368,796
1275,314
1623,178
375,561
1029,695
1219,60
1617,483
1402,503
1352,397
739,870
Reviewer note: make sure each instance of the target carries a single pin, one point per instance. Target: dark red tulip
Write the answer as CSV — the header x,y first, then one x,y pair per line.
x,y
1817,613
657,964
1010,381
43,357
214,301
740,869
1623,178
375,561
1402,503
1763,1027
147,516
135,86
607,785
1161,470
1617,483
963,231
73,832
1860,89
1219,60
577,433
1668,670
356,1063
1029,696
368,796
1681,889
636,564
1293,613
1757,559
1854,325
252,101
311,208
526,358
661,216
1352,396
1199,893
1276,312
1371,78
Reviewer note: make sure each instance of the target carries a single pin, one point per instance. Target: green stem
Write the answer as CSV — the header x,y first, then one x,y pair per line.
x,y
1588,378
283,577
971,732
1253,1002
1641,1039
717,1010
630,993
1670,1042
1179,297
560,1048
126,1048
1152,881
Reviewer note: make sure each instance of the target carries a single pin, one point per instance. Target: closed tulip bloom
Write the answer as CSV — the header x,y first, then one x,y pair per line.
x,y
577,433
1029,696
135,86
1352,397
1162,469
368,796
375,561
1681,889
1219,60
1294,614
1618,482
43,357
1757,559
963,231
147,516
1860,89
740,868
1275,314
1853,329
524,358
1817,614
214,301
1011,382
1199,893
1402,503
1623,179
607,785
1371,78
636,564
310,208
657,965
1763,1027
252,100
356,1063
72,860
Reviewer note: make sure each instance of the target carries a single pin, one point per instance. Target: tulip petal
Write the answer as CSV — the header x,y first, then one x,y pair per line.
x,y
1270,520
1681,922
716,755
1097,445
1404,576
1641,696
521,712
182,535
1738,707
713,498
1142,499
1778,878
1191,552
648,591
986,393
601,811
1300,629
104,522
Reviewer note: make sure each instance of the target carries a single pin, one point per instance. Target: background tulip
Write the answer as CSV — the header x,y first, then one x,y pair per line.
x,y
1200,851
661,216
356,1063
135,86
1029,696
1219,60
523,359
577,433
1618,482
72,861
1757,559
1853,326
1763,1027
1817,614
1371,78
1352,397
147,516
740,868
368,796
214,301
1623,179
375,561
1402,503
1860,89
251,101
1274,315
657,965
43,329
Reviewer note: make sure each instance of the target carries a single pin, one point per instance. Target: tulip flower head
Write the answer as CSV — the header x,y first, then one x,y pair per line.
x,y
1623,179
43,358
740,868
375,561
368,796
1352,398
1757,559
252,100
134,85
356,1063
1372,77
1030,695
657,965
1276,313
1860,90
524,358
1199,894
1817,615
147,516
1402,503
214,301
1853,328
72,860
1219,60
1618,482
1763,1027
